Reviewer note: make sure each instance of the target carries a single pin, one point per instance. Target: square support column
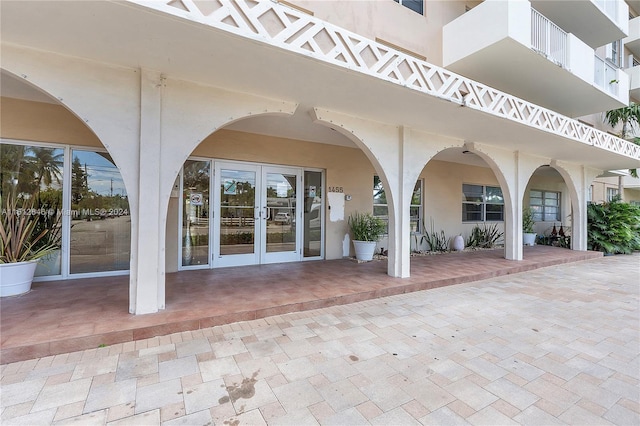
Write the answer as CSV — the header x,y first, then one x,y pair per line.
x,y
147,279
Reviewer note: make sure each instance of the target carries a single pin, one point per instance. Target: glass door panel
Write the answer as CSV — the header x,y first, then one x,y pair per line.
x,y
239,216
101,225
280,201
312,218
195,213
36,173
281,212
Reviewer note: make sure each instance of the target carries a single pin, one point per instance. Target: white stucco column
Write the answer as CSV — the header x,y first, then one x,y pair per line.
x,y
507,166
147,279
398,156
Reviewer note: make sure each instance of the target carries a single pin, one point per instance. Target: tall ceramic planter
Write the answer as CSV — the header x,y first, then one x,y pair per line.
x,y
364,249
528,239
16,278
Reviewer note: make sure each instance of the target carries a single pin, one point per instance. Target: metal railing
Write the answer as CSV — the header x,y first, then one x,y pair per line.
x,y
549,39
606,76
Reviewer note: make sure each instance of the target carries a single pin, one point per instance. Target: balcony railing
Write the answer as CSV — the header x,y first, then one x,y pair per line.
x,y
606,76
549,39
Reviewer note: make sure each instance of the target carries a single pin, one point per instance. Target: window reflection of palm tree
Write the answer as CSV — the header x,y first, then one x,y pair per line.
x,y
45,166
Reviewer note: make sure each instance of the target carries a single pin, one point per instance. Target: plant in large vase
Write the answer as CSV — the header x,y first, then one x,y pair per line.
x,y
20,246
528,234
366,230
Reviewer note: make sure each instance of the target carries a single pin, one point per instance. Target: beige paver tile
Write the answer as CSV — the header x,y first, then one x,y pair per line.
x,y
429,394
630,405
397,416
199,418
620,415
549,407
461,409
443,416
578,415
105,395
143,419
321,411
534,416
205,395
297,395
59,378
44,417
16,410
136,367
70,410
97,418
62,394
471,394
342,395
416,409
222,413
490,416
175,411
118,412
505,408
217,368
272,411
158,395
370,410
512,393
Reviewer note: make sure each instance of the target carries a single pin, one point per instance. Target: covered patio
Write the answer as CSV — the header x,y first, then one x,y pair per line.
x,y
73,315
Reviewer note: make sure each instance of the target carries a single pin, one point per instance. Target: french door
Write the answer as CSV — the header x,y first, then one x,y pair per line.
x,y
256,214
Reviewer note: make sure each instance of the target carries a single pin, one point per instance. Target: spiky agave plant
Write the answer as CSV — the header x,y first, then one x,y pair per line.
x,y
18,236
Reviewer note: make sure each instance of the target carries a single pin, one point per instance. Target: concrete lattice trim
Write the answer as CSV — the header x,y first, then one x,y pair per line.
x,y
290,29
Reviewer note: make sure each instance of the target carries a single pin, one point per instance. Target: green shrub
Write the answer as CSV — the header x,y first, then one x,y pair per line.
x,y
437,241
485,236
366,227
613,227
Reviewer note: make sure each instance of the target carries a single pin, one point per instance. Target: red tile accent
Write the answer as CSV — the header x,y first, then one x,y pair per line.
x,y
72,315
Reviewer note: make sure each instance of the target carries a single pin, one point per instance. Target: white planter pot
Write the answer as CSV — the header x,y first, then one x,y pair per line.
x,y
49,264
528,239
16,278
364,249
458,243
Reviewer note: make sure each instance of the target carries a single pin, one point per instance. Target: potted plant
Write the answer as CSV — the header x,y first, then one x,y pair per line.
x,y
528,234
20,246
366,230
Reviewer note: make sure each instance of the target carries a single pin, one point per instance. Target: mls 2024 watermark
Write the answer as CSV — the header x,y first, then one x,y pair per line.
x,y
74,213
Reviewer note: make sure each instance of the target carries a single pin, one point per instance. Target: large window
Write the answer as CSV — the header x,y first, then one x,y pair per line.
x,y
85,211
545,205
381,209
415,5
612,193
482,203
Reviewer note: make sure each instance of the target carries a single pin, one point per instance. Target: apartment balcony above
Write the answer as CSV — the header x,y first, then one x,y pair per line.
x,y
595,22
632,41
634,81
525,54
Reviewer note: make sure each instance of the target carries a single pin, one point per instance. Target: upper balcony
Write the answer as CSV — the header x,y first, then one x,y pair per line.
x,y
632,41
634,80
524,53
595,22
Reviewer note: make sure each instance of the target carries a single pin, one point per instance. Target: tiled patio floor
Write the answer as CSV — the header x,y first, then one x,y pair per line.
x,y
67,316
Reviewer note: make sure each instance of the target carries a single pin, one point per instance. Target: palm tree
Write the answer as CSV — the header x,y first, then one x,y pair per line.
x,y
45,164
629,117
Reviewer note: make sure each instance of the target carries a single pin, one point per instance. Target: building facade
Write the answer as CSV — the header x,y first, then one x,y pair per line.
x,y
172,135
